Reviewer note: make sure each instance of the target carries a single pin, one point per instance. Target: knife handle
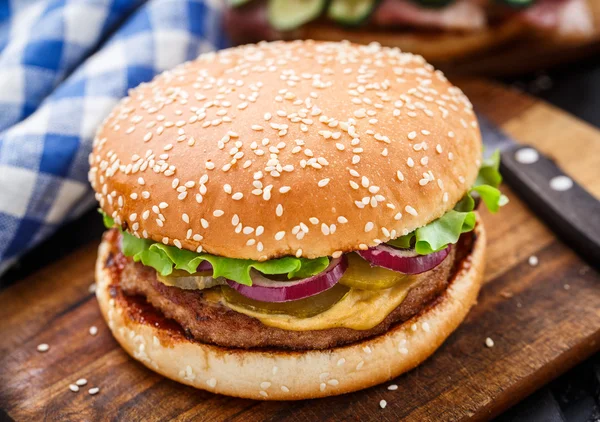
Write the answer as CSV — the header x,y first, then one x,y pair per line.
x,y
567,208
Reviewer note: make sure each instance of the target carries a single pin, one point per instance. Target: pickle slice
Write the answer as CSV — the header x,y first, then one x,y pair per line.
x,y
184,280
302,308
360,275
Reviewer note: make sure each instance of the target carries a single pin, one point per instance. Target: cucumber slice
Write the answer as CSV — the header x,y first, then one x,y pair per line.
x,y
434,4
517,4
286,15
351,12
237,3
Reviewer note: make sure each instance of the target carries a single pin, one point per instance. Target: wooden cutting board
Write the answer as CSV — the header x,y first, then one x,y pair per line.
x,y
543,320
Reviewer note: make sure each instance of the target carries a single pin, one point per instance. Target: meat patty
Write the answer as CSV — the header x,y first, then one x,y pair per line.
x,y
210,322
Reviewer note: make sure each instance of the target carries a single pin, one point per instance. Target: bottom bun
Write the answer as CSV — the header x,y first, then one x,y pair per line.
x,y
277,374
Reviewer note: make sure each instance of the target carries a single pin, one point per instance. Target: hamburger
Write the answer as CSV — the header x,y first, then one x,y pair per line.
x,y
290,220
440,30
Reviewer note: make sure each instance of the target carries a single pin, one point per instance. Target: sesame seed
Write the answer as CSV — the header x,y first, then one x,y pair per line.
x,y
382,404
43,347
93,330
489,342
392,387
368,227
323,182
410,210
218,213
279,235
74,388
533,260
81,382
94,390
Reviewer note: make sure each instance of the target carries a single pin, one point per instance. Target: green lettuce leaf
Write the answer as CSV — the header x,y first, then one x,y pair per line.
x,y
491,197
438,234
164,259
489,172
108,221
403,242
239,269
309,267
444,231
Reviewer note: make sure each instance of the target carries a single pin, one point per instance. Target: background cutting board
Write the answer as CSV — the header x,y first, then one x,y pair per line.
x,y
543,319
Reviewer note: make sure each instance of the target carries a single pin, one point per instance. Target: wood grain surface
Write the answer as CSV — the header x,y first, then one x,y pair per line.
x,y
543,319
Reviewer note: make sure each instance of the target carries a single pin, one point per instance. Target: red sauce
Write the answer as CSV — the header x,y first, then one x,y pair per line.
x,y
137,308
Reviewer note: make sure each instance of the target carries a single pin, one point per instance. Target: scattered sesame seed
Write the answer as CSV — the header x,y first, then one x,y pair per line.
x,y
392,387
81,382
74,388
533,260
43,347
93,330
382,404
93,391
489,342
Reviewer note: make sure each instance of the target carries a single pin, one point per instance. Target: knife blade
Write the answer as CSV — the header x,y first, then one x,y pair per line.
x,y
566,207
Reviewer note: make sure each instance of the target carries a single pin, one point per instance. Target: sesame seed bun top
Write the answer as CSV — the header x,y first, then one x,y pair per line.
x,y
300,148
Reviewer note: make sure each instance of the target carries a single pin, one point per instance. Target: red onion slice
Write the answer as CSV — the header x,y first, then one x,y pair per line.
x,y
405,261
267,290
204,266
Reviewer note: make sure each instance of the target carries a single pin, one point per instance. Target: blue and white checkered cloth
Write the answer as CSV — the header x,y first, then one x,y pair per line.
x,y
63,65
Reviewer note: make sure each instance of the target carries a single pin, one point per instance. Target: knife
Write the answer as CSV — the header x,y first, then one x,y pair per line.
x,y
567,208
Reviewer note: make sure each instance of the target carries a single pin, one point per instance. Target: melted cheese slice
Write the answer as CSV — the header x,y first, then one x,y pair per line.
x,y
359,310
